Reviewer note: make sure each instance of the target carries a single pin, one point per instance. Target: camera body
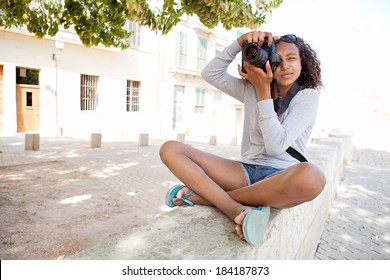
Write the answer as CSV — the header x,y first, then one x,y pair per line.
x,y
258,56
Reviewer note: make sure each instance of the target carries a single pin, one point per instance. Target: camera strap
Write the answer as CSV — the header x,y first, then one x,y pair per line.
x,y
281,106
294,153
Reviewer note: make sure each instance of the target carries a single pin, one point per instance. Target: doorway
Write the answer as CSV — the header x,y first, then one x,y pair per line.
x,y
1,98
27,100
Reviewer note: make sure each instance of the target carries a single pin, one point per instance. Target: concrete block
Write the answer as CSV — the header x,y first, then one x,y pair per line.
x,y
194,233
96,140
326,158
336,143
32,142
213,140
28,142
348,144
181,137
36,145
143,139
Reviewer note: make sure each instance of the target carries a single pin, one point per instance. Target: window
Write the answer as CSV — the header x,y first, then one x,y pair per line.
x,y
202,52
89,92
135,37
178,101
200,100
29,99
132,96
181,48
27,76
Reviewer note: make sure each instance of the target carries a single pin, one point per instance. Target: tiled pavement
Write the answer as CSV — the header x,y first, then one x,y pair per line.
x,y
358,226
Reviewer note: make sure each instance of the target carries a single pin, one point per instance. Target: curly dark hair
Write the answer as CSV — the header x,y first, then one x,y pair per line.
x,y
311,71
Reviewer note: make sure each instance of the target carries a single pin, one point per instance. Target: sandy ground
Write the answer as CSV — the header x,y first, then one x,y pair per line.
x,y
42,202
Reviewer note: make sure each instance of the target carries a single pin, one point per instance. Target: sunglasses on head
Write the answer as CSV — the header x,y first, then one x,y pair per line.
x,y
289,38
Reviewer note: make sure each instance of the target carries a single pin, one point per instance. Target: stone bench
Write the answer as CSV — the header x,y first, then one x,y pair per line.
x,y
205,233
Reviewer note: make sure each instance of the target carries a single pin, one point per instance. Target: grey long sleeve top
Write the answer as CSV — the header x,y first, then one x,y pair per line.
x,y
266,136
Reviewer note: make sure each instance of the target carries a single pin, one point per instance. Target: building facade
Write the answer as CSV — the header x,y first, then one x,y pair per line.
x,y
56,86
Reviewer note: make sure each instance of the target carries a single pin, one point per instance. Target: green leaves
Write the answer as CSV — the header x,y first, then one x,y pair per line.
x,y
103,21
95,22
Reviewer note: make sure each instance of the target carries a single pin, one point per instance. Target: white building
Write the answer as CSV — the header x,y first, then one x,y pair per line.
x,y
153,87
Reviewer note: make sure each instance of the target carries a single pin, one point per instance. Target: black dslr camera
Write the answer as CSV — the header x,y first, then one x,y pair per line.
x,y
258,56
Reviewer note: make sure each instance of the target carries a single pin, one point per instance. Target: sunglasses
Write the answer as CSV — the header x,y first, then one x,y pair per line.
x,y
289,38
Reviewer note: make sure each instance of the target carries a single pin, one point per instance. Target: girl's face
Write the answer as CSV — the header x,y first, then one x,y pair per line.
x,y
290,66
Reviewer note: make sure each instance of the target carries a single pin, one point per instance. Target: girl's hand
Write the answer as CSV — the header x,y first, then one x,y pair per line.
x,y
258,78
255,37
255,75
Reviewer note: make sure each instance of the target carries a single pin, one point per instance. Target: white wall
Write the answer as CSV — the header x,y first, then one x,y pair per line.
x,y
153,64
113,68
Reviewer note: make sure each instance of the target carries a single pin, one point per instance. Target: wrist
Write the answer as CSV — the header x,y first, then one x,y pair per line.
x,y
263,93
240,41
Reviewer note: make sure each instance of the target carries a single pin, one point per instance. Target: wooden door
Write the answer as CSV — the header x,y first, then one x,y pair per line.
x,y
28,109
1,99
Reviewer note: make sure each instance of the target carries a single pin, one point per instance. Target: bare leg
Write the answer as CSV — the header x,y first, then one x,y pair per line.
x,y
209,176
297,184
221,182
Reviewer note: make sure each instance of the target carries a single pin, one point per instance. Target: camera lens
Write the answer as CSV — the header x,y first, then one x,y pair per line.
x,y
251,52
255,55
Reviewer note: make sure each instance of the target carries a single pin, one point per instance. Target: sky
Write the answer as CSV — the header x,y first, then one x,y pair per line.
x,y
353,35
352,39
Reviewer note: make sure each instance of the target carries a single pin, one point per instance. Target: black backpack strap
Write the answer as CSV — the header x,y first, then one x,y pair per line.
x,y
294,153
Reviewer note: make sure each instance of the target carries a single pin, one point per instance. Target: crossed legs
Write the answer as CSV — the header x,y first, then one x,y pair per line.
x,y
221,182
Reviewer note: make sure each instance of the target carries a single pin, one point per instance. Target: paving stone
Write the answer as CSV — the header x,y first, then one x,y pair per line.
x,y
359,221
357,228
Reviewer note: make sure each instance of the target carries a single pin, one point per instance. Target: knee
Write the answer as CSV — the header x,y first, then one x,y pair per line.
x,y
168,150
311,181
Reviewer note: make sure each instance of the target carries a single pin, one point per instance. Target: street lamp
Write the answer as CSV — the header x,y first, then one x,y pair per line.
x,y
60,44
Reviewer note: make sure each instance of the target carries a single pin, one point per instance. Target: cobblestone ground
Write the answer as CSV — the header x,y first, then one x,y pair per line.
x,y
111,189
358,227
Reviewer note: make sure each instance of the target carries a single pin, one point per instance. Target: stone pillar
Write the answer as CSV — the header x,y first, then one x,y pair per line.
x,y
96,140
32,142
143,139
181,137
348,144
213,140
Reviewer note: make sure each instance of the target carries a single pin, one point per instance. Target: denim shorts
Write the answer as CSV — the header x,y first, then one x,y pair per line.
x,y
255,173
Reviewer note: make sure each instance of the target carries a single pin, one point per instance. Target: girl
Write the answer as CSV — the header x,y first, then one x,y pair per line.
x,y
280,111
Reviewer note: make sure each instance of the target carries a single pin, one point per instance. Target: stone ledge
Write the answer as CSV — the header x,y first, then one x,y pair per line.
x,y
204,233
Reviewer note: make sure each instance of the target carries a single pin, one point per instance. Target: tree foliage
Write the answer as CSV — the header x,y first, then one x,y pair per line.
x,y
103,21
